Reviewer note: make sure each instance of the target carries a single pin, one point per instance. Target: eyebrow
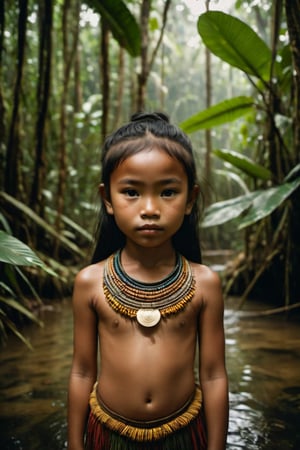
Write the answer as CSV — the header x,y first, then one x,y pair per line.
x,y
163,182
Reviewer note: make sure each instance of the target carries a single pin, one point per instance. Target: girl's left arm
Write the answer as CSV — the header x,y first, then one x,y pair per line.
x,y
212,368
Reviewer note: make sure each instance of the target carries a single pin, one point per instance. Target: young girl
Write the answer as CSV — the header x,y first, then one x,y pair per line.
x,y
147,301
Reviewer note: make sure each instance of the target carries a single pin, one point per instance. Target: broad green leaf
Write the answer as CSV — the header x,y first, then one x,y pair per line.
x,y
244,163
15,252
254,206
266,202
222,212
122,23
224,112
236,43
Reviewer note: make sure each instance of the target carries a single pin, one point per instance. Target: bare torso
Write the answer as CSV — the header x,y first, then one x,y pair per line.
x,y
146,373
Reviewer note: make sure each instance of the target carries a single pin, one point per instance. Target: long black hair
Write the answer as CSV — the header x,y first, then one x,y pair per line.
x,y
142,132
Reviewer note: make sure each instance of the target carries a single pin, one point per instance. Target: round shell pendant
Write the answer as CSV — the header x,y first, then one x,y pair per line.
x,y
148,317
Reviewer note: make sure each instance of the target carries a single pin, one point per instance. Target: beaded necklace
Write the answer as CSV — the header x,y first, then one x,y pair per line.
x,y
147,302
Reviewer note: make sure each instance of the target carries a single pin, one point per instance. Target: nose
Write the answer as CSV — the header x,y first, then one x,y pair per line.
x,y
150,208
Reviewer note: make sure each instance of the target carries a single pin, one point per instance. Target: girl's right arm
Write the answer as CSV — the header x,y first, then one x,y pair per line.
x,y
84,365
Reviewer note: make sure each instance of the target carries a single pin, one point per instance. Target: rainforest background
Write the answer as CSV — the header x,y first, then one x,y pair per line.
x,y
71,71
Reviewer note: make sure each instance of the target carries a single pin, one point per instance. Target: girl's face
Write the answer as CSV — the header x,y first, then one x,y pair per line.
x,y
149,197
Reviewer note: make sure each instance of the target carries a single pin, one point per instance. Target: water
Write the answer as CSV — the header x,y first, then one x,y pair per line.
x,y
34,385
263,357
263,361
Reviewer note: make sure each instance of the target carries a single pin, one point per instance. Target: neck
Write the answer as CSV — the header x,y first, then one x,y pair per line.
x,y
149,257
148,263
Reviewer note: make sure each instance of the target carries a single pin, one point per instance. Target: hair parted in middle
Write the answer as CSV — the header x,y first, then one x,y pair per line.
x,y
143,132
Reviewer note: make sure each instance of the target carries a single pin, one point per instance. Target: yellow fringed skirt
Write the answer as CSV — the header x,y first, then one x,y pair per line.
x,y
184,430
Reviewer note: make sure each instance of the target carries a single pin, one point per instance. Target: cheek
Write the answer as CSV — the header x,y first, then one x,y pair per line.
x,y
123,212
177,213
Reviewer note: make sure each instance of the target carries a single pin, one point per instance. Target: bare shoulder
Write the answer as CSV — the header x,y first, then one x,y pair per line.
x,y
87,284
205,274
208,283
89,274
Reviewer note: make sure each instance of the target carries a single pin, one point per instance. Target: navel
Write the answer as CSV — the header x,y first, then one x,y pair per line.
x,y
148,400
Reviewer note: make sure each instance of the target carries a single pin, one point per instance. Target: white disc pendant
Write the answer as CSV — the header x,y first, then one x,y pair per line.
x,y
148,317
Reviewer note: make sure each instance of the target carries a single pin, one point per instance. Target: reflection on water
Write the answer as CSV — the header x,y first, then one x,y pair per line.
x,y
263,364
34,385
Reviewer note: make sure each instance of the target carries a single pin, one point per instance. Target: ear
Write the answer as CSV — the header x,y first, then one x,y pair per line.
x,y
192,198
104,195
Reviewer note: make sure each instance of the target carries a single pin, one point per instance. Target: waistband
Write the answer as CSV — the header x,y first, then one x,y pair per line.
x,y
146,430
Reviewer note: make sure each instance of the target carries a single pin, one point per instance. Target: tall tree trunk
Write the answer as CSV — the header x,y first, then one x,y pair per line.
x,y
43,94
120,89
77,108
104,68
70,40
12,169
2,107
293,21
274,150
147,63
143,75
77,82
162,94
208,139
76,155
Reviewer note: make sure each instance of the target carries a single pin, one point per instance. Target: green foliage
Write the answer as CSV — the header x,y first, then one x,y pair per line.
x,y
222,212
268,201
14,253
251,207
29,213
121,22
224,112
243,163
236,43
270,211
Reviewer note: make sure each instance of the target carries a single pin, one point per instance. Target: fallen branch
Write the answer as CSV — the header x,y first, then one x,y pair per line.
x,y
270,312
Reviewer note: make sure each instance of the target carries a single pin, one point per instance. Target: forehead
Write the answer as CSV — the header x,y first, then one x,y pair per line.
x,y
154,162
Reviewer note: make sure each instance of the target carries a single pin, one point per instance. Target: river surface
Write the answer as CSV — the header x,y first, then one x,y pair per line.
x,y
263,362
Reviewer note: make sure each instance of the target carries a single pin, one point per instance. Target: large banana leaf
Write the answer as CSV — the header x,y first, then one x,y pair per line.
x,y
13,251
244,163
267,201
224,112
222,212
252,207
121,22
236,43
